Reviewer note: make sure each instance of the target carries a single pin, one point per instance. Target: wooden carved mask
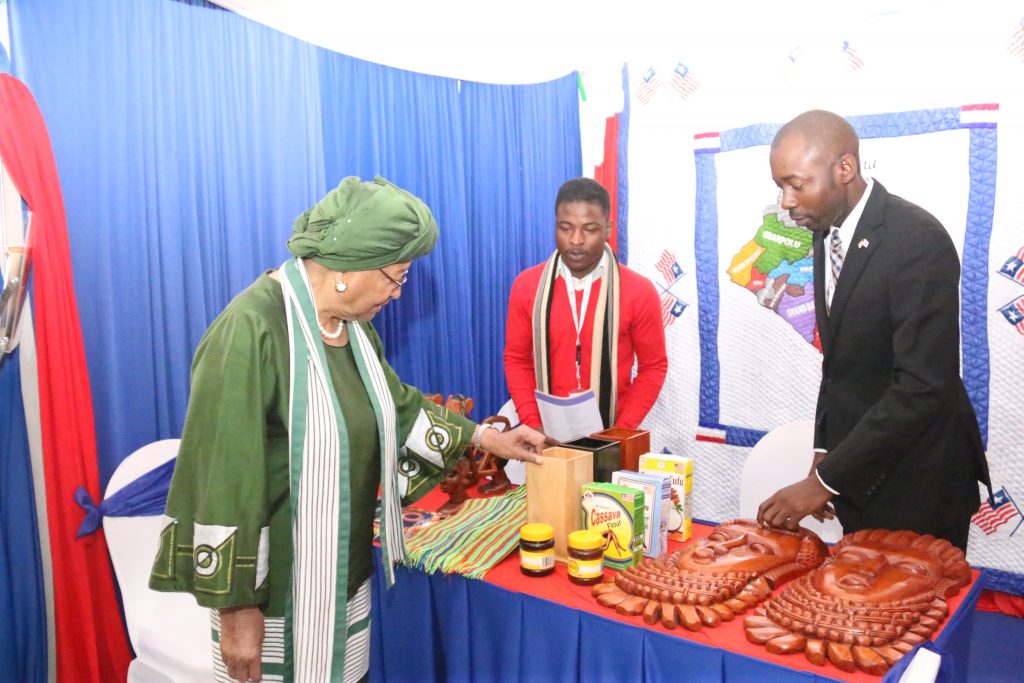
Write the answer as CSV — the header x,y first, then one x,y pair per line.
x,y
714,578
881,593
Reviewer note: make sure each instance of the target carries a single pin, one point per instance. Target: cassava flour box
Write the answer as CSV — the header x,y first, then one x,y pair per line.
x,y
657,490
617,513
680,470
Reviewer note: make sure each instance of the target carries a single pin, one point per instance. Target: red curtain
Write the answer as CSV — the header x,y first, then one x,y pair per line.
x,y
91,643
607,173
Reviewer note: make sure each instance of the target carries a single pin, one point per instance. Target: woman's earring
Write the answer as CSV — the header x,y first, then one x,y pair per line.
x,y
340,286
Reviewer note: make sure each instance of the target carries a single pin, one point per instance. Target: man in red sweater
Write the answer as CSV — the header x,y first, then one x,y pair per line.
x,y
581,319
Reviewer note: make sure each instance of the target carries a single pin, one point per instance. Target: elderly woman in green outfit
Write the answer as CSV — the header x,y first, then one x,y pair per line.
x,y
294,421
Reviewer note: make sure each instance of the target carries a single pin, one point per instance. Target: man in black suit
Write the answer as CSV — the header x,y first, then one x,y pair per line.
x,y
896,440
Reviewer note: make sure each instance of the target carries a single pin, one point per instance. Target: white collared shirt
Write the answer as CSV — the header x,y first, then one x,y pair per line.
x,y
846,231
579,283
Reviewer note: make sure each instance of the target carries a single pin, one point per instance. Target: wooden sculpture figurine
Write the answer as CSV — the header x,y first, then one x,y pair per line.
x,y
714,578
464,475
882,593
475,463
489,466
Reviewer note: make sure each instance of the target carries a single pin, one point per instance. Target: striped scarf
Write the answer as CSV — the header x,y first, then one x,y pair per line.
x,y
605,346
470,542
315,618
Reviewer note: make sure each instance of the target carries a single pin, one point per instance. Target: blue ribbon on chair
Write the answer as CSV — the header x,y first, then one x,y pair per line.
x,y
147,495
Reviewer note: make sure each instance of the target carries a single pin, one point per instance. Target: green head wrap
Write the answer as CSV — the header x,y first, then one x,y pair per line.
x,y
364,226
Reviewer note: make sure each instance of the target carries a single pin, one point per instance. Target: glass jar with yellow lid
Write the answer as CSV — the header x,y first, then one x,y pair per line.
x,y
586,557
537,549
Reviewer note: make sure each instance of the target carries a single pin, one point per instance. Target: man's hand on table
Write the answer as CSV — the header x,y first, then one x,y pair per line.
x,y
790,504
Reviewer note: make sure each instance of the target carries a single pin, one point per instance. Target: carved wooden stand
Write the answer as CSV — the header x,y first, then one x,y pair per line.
x,y
474,464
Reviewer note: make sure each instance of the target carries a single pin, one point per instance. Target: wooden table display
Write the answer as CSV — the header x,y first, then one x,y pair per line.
x,y
556,630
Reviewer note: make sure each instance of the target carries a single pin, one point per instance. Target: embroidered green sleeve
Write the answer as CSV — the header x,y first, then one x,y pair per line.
x,y
433,437
216,528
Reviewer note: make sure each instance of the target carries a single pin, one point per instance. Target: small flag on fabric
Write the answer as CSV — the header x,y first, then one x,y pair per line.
x,y
649,86
683,81
1016,46
1014,267
671,308
1014,314
669,267
995,512
714,434
853,59
707,143
980,115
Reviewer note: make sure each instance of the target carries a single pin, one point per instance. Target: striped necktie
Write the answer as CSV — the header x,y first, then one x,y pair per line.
x,y
836,255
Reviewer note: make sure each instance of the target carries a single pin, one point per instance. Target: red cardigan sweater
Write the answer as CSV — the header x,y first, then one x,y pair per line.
x,y
641,337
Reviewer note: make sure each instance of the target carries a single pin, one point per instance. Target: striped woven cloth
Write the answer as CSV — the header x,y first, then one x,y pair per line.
x,y
481,534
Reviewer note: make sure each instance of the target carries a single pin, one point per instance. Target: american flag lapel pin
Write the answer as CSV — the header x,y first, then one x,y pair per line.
x,y
863,244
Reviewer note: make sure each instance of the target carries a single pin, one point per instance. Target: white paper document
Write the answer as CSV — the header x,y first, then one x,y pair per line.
x,y
569,417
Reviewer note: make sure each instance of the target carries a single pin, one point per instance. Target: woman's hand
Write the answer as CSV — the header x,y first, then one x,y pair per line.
x,y
521,443
241,642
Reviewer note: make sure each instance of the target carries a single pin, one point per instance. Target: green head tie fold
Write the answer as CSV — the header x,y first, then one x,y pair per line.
x,y
364,226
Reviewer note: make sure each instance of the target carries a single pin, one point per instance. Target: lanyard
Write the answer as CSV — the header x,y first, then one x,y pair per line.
x,y
578,318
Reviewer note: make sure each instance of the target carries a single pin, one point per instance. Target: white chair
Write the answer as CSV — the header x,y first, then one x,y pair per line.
x,y
170,632
782,457
923,668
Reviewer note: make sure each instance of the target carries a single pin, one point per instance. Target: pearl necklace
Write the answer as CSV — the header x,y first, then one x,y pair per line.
x,y
331,335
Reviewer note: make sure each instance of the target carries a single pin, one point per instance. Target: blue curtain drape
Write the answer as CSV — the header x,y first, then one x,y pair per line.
x,y
405,127
521,145
23,639
188,140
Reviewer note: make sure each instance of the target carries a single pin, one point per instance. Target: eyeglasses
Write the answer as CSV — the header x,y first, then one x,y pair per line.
x,y
397,283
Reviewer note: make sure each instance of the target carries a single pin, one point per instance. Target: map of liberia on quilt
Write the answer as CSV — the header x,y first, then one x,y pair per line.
x,y
776,266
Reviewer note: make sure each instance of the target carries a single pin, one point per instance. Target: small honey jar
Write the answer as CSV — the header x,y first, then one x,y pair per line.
x,y
586,558
537,549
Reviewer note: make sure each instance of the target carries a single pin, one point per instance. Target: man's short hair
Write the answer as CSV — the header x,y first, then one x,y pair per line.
x,y
584,190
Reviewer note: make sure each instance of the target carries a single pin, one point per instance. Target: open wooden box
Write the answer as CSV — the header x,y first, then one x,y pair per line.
x,y
632,444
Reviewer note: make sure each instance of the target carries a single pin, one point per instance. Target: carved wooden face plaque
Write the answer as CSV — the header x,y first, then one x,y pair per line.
x,y
714,578
881,593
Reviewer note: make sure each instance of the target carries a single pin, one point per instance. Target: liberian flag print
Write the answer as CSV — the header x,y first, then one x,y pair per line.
x,y
1014,267
683,81
671,305
1013,312
669,267
1016,46
995,512
853,59
671,309
648,87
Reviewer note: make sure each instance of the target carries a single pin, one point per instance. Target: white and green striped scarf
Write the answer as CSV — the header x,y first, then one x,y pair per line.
x,y
315,617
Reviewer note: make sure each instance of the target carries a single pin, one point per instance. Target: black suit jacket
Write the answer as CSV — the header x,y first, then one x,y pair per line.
x,y
904,449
